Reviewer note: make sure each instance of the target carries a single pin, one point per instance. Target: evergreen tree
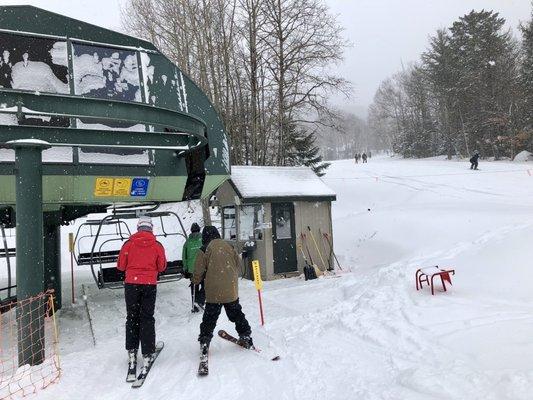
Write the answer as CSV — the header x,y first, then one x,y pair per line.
x,y
418,122
302,150
483,57
526,80
442,78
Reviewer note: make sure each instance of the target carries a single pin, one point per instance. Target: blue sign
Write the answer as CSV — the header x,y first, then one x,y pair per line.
x,y
139,187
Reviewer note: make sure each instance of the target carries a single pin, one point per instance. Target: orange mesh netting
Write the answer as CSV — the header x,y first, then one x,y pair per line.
x,y
28,332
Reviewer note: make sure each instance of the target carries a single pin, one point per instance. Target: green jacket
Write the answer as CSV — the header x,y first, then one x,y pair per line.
x,y
190,249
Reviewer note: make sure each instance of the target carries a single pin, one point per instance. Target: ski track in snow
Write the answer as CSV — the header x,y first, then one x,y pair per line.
x,y
367,334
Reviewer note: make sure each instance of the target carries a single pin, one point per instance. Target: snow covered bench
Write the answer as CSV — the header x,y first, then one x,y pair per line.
x,y
428,275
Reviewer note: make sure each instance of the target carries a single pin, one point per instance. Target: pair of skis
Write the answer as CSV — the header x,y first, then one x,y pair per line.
x,y
203,368
138,380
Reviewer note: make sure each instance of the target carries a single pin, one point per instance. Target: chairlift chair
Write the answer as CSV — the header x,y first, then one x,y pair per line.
x,y
99,259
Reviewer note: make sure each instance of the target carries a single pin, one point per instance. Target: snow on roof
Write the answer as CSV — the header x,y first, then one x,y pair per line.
x,y
253,182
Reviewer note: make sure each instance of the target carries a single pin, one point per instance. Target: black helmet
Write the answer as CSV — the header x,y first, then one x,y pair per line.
x,y
209,233
195,227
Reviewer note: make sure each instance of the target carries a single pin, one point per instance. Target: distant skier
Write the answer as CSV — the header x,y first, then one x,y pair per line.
x,y
369,154
474,160
356,158
189,252
219,263
142,258
364,157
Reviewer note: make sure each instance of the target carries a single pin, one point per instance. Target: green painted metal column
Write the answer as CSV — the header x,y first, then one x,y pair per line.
x,y
29,239
52,261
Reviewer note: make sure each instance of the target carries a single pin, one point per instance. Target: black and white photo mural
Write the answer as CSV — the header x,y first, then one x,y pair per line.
x,y
30,63
106,73
42,65
39,65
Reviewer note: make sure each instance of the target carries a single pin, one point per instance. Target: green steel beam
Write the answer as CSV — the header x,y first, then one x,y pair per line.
x,y
69,137
75,106
38,21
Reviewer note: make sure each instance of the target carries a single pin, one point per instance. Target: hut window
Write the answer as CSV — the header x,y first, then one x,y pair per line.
x,y
251,220
229,231
283,224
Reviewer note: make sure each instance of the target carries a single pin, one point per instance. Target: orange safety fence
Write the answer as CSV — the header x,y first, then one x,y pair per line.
x,y
18,324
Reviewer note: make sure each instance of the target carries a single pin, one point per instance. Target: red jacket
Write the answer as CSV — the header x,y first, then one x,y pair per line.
x,y
142,257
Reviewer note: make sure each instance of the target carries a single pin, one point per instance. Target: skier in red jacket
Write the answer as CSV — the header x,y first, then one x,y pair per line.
x,y
142,258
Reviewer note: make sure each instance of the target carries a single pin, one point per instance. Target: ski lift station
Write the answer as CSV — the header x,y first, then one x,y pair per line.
x,y
90,118
93,121
280,216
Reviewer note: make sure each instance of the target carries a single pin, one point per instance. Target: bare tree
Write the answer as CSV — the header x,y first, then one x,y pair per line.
x,y
263,63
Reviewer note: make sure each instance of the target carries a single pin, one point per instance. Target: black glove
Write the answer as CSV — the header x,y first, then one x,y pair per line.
x,y
187,274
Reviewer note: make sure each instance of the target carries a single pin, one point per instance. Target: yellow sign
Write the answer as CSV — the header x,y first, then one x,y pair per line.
x,y
257,275
103,187
122,187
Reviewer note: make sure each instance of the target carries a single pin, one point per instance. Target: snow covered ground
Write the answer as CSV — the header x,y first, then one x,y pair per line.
x,y
367,334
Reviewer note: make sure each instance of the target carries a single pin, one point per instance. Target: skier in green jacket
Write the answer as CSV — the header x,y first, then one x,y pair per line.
x,y
190,249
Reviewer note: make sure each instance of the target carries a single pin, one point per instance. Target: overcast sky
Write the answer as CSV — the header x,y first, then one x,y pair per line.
x,y
384,33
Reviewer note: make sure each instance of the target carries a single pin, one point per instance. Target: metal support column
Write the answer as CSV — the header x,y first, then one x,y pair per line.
x,y
52,261
29,239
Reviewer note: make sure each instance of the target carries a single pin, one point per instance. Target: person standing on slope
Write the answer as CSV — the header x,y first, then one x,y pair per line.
x,y
219,263
190,249
364,158
474,160
142,258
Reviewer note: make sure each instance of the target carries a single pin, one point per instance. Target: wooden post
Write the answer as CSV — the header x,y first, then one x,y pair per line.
x,y
71,250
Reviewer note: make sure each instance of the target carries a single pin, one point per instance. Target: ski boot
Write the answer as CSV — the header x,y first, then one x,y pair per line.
x,y
132,365
246,341
204,350
147,361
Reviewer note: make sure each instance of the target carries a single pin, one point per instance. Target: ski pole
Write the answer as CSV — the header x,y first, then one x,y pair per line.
x,y
193,295
325,250
332,251
317,249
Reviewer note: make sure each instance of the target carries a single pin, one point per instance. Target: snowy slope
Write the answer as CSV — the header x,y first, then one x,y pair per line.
x,y
367,334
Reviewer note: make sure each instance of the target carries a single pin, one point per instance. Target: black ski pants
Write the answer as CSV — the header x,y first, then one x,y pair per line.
x,y
474,164
234,313
140,322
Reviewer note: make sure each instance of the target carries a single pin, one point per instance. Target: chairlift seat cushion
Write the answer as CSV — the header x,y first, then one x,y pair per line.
x,y
113,275
104,257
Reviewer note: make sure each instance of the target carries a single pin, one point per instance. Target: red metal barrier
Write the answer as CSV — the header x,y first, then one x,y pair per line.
x,y
428,275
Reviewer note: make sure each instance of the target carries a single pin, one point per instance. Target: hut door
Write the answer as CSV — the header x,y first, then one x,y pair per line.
x,y
283,238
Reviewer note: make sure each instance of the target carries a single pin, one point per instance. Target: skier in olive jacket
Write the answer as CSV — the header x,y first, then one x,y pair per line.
x,y
142,258
189,252
219,263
